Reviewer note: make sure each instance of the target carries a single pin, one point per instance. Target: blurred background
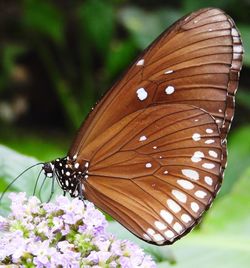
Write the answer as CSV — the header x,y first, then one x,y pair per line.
x,y
59,57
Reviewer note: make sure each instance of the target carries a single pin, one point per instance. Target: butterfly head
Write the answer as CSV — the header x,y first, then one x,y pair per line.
x,y
69,173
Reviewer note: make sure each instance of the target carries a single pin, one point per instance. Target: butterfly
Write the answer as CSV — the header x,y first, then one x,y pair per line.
x,y
152,152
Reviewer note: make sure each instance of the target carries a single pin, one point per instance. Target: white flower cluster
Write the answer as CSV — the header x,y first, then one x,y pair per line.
x,y
63,234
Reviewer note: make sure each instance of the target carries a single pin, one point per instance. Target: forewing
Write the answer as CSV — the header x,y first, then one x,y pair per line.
x,y
156,171
197,62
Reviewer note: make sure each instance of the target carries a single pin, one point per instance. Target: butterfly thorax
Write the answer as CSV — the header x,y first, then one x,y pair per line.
x,y
69,173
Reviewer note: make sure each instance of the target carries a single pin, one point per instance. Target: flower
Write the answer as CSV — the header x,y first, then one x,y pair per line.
x,y
66,233
4,225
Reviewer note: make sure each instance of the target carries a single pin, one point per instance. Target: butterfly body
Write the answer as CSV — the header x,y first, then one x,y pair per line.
x,y
153,151
69,173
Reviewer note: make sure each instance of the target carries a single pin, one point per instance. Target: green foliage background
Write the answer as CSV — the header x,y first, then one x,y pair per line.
x,y
59,57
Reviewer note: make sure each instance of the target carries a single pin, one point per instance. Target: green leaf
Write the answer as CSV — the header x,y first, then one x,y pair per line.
x,y
98,20
206,251
231,213
44,17
3,184
243,98
191,5
146,26
120,57
28,144
238,157
13,164
10,52
245,35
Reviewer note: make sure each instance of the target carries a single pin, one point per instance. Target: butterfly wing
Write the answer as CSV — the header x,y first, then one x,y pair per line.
x,y
196,61
156,170
155,143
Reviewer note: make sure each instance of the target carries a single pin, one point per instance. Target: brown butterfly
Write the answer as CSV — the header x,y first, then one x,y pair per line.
x,y
153,151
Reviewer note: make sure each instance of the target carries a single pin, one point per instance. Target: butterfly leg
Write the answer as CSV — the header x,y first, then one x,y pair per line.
x,y
81,196
52,188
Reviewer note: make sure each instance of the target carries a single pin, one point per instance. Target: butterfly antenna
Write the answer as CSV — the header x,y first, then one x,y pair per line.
x,y
14,180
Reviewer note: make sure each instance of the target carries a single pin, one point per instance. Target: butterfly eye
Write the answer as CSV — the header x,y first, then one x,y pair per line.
x,y
153,150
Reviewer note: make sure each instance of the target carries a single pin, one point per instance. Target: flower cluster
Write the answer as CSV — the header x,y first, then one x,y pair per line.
x,y
63,234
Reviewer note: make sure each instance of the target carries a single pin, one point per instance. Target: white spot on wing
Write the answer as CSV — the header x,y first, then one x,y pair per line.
x,y
234,32
209,130
209,141
142,94
173,205
180,196
196,137
146,237
213,154
194,206
186,218
169,72
237,49
208,180
142,138
208,165
76,165
177,227
185,184
87,164
150,231
200,194
169,234
197,157
160,226
169,90
168,217
191,174
148,165
140,62
158,238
